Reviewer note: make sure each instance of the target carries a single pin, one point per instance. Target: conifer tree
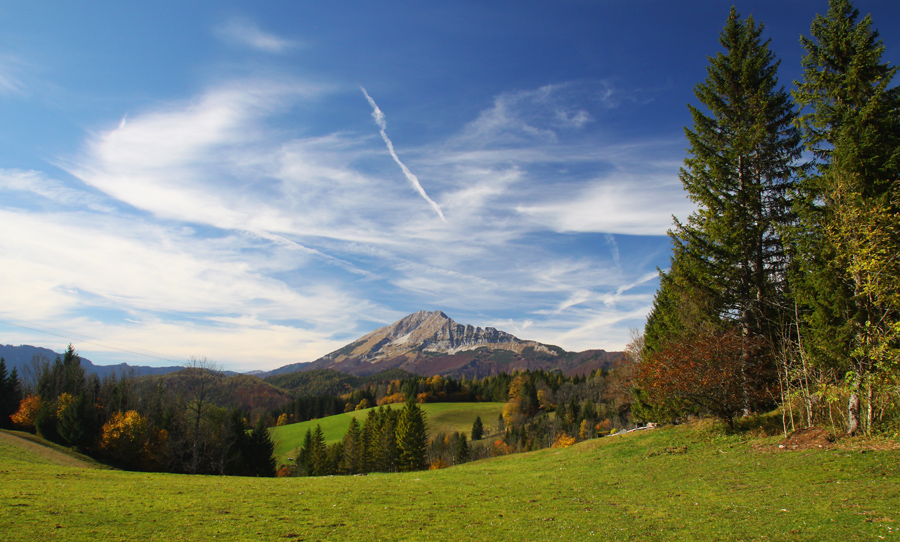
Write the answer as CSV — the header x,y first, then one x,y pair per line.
x,y
379,434
849,232
352,461
728,259
10,395
261,450
234,444
302,461
461,452
318,453
412,439
739,172
477,429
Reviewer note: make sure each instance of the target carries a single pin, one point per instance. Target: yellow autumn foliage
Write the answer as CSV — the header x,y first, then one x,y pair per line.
x,y
27,413
563,441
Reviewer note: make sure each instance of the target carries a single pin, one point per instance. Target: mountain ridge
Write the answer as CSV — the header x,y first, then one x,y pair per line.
x,y
21,358
428,343
425,343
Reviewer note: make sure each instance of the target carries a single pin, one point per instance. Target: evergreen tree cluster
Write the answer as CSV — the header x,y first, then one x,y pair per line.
x,y
10,394
783,284
390,440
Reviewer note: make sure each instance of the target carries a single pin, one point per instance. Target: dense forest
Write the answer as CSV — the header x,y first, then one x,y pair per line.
x,y
784,285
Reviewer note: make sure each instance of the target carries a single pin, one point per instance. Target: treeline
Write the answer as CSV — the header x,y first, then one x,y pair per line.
x,y
607,392
141,424
368,392
173,423
390,440
542,409
327,382
784,284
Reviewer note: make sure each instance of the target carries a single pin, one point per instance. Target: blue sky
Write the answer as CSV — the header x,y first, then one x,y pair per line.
x,y
261,183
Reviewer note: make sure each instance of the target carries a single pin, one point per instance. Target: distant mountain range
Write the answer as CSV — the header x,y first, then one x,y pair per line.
x,y
429,343
21,358
423,343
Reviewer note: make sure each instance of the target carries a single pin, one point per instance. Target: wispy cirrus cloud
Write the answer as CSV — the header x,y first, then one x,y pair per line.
x,y
38,183
526,117
245,32
620,203
204,212
9,80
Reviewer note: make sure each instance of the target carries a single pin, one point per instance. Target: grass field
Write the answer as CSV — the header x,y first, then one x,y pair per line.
x,y
441,418
667,484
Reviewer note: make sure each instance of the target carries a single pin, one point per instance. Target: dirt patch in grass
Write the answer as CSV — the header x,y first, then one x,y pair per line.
x,y
809,438
54,456
817,438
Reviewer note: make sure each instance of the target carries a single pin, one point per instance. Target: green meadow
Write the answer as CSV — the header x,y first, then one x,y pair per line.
x,y
441,418
680,483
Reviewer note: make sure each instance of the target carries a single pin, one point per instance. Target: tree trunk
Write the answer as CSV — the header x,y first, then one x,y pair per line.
x,y
745,363
853,413
870,406
195,459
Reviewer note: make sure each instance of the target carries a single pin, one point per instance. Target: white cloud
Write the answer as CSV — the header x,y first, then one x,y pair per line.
x,y
247,33
37,183
541,115
9,82
114,262
185,161
620,204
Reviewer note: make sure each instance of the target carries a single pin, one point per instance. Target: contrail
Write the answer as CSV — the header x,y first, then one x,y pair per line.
x,y
413,180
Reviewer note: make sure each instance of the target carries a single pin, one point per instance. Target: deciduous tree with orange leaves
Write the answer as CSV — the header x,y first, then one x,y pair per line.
x,y
28,412
710,373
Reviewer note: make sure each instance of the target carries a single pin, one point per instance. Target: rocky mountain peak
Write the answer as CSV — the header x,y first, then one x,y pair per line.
x,y
430,342
419,319
426,332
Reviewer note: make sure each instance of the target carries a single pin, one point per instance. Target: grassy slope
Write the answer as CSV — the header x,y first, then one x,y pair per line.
x,y
618,488
39,450
441,418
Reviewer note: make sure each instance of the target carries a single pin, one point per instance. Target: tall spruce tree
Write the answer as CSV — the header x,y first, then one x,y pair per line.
x,y
728,261
849,230
260,450
318,453
412,439
740,169
353,459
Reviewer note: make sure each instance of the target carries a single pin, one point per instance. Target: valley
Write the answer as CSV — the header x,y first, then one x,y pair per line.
x,y
679,483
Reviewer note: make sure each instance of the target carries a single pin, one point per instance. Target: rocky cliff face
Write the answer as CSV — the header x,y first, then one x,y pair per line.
x,y
428,332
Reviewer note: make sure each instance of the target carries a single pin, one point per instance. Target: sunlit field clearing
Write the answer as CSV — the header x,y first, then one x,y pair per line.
x,y
441,418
